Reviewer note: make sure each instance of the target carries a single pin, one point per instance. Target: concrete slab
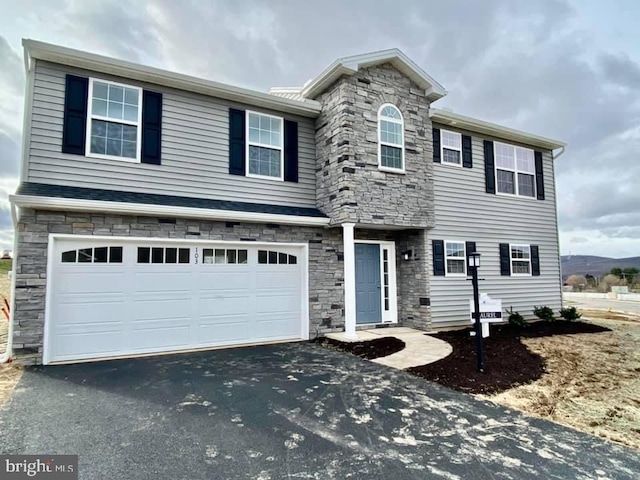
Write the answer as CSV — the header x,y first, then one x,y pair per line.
x,y
420,348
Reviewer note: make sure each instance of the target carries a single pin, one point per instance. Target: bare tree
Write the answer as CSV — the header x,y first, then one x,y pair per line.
x,y
578,282
609,281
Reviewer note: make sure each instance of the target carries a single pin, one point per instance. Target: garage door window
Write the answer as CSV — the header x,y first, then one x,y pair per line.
x,y
224,256
162,255
93,255
272,257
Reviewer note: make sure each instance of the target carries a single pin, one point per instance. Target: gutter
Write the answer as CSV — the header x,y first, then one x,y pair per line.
x,y
6,356
74,204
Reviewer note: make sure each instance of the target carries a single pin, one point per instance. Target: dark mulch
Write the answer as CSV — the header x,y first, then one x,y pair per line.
x,y
380,347
507,360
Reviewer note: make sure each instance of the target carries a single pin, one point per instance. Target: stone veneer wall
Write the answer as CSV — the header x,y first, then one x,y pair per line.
x,y
326,266
350,186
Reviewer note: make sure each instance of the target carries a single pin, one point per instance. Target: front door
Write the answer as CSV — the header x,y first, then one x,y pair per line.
x,y
368,285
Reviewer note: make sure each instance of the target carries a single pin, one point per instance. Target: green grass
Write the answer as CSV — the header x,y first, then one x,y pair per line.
x,y
5,266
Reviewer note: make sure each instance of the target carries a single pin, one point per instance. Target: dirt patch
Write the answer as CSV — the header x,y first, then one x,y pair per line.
x,y
380,347
9,376
508,361
591,382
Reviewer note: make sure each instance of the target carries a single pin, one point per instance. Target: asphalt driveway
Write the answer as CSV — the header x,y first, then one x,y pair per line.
x,y
286,411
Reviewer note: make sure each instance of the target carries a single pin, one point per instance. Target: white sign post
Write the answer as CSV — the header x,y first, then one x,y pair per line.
x,y
490,312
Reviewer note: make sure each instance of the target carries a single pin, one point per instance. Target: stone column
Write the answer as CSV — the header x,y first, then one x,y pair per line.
x,y
349,280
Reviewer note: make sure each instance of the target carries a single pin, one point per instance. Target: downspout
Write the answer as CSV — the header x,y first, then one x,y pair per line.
x,y
554,157
6,356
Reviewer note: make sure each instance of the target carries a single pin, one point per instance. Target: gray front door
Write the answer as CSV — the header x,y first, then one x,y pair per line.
x,y
368,291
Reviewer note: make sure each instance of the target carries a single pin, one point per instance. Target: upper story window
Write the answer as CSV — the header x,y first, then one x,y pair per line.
x,y
515,170
391,139
455,257
451,146
114,120
265,138
520,259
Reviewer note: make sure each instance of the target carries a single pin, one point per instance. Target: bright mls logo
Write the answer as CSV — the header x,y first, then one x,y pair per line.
x,y
50,467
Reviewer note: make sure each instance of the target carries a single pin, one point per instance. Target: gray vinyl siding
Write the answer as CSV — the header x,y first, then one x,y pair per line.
x,y
195,149
465,212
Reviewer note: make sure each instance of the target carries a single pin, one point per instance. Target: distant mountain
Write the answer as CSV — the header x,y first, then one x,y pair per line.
x,y
596,266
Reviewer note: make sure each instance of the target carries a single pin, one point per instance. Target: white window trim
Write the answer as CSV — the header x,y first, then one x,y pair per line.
x,y
381,143
257,144
515,174
442,147
90,118
511,260
464,259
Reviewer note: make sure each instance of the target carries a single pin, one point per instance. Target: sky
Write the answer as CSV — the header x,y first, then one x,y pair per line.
x,y
565,69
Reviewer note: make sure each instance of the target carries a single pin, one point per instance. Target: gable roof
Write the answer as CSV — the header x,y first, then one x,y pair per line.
x,y
446,117
350,65
100,63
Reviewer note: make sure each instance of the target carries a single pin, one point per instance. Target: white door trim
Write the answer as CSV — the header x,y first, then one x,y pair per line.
x,y
391,315
51,257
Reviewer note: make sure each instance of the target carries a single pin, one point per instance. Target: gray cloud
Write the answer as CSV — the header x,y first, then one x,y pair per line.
x,y
529,65
11,69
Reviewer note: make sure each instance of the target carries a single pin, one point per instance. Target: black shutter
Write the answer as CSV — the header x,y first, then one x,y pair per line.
x,y
74,130
236,142
535,261
436,145
470,248
290,151
151,127
505,259
489,167
467,156
438,257
539,176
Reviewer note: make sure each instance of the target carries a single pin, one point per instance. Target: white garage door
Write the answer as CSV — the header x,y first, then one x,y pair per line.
x,y
113,297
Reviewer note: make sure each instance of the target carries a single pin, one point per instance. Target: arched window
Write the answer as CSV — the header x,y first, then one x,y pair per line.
x,y
390,138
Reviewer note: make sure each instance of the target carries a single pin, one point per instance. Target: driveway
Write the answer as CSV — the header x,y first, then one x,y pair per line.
x,y
285,411
605,304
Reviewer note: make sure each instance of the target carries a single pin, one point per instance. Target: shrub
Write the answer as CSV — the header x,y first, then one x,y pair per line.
x,y
516,319
570,313
544,313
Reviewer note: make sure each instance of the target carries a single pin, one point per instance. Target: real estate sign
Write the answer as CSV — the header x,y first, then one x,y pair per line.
x,y
490,309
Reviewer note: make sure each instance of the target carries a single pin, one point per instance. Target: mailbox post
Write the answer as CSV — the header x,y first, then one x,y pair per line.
x,y
474,264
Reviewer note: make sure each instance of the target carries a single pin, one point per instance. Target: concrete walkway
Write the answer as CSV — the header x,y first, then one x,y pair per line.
x,y
420,349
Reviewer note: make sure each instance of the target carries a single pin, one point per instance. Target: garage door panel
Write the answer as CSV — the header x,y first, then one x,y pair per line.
x,y
97,282
150,308
146,336
118,309
82,313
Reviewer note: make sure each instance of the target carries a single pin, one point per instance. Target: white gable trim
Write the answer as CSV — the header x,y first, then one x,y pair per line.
x,y
350,65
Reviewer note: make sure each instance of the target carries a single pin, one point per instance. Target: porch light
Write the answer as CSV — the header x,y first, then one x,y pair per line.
x,y
474,260
407,254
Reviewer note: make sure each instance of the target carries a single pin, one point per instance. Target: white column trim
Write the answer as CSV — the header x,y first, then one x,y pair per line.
x,y
349,280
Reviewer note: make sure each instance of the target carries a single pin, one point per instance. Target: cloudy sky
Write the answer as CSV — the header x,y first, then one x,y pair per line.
x,y
560,68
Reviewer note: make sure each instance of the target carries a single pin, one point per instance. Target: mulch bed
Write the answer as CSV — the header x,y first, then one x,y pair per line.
x,y
507,360
380,347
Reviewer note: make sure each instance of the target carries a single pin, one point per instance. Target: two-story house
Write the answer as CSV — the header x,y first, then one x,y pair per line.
x,y
159,212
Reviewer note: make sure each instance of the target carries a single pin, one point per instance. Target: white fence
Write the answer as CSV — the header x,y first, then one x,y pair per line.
x,y
627,297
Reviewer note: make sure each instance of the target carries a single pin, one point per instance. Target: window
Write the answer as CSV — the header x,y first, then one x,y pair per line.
x,y
455,258
265,137
390,139
163,255
93,255
223,256
276,258
520,259
385,279
515,170
114,123
451,146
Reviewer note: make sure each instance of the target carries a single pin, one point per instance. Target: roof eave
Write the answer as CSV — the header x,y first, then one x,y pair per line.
x,y
99,63
480,126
